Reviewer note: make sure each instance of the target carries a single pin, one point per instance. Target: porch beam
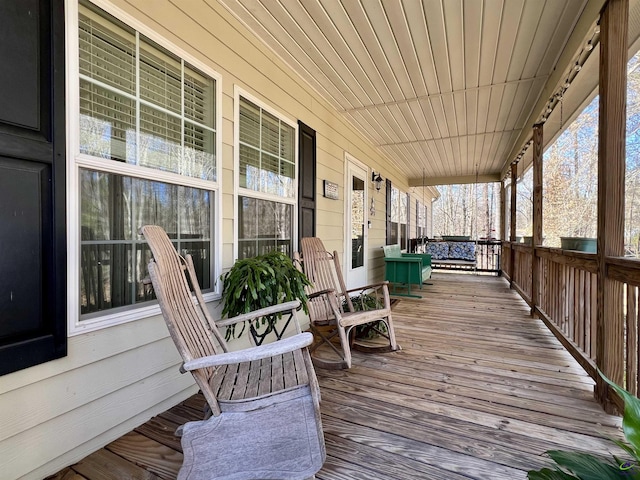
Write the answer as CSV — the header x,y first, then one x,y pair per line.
x,y
461,180
611,171
538,131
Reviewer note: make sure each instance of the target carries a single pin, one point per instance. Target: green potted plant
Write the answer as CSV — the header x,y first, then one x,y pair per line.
x,y
582,244
585,466
259,282
367,301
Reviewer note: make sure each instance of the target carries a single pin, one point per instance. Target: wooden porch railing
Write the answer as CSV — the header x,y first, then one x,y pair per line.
x,y
521,278
567,301
488,256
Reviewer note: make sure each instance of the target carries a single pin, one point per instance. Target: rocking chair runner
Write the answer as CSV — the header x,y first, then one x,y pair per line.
x,y
264,401
326,299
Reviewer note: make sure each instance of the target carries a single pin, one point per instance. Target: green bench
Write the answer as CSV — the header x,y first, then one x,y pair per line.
x,y
406,268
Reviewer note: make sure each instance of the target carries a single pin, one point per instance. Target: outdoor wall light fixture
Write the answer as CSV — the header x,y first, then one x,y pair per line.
x,y
377,179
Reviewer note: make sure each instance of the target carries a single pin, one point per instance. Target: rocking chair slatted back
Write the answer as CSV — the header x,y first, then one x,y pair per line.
x,y
322,267
190,325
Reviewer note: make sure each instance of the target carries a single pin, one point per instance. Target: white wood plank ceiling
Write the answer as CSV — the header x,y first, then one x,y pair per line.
x,y
442,87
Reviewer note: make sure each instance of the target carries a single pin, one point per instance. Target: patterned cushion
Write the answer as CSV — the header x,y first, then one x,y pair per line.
x,y
438,250
462,251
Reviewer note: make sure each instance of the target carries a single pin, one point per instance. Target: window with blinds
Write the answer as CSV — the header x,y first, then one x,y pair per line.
x,y
142,105
399,209
267,159
266,169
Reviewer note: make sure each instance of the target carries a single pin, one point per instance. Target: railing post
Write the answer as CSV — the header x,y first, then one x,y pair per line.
x,y
512,222
537,213
611,171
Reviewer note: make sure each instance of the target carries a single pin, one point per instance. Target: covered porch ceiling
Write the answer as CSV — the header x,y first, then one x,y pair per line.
x,y
448,90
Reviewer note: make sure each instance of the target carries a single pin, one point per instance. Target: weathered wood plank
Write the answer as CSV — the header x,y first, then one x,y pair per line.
x,y
162,430
67,474
106,465
579,260
536,423
490,443
446,460
148,454
385,464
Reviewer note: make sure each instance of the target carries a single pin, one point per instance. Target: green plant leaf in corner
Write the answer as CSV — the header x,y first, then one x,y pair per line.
x,y
631,417
585,466
548,474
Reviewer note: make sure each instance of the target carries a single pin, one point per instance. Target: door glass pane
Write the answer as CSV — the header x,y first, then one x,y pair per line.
x,y
357,222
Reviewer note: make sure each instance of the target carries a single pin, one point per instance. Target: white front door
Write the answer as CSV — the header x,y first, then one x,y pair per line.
x,y
356,225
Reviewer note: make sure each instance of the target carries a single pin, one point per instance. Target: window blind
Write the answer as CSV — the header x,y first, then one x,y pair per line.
x,y
266,151
172,102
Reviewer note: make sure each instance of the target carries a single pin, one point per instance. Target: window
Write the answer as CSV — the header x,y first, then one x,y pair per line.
x,y
395,216
524,204
146,154
404,220
399,209
421,219
266,180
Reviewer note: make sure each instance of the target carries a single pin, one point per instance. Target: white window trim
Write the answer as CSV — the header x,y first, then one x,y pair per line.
x,y
241,191
75,160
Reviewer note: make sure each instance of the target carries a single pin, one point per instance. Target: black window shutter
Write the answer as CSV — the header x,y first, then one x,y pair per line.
x,y
32,184
306,181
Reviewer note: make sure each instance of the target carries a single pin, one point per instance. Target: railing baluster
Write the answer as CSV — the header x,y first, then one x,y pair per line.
x,y
631,370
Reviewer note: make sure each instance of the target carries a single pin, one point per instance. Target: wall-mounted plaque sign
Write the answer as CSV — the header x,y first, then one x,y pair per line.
x,y
330,190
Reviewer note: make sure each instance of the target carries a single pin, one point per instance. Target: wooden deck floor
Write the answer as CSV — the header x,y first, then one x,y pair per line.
x,y
480,390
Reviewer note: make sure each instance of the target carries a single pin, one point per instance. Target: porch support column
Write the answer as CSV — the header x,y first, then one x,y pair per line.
x,y
611,171
512,222
503,212
537,213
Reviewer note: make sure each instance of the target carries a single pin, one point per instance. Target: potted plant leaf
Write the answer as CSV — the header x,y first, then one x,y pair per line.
x,y
367,301
585,466
259,282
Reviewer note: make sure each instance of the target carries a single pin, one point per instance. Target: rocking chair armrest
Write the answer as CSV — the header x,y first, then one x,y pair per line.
x,y
281,307
369,287
319,293
286,345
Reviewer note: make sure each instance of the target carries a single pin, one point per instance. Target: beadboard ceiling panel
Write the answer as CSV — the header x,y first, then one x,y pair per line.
x,y
444,88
